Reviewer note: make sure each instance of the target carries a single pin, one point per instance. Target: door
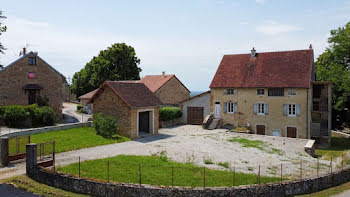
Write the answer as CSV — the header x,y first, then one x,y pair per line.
x,y
291,132
217,110
260,129
31,97
195,115
144,121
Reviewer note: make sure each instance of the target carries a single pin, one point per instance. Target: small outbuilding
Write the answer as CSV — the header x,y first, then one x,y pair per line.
x,y
195,108
133,105
84,100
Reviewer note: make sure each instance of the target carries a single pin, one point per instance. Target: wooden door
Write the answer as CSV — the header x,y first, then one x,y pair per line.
x,y
195,115
31,97
291,132
260,129
144,121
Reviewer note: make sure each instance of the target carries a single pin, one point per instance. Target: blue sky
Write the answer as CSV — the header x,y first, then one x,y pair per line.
x,y
186,38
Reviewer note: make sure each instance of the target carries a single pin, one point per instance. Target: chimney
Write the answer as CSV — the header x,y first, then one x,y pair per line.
x,y
163,74
24,51
253,53
310,47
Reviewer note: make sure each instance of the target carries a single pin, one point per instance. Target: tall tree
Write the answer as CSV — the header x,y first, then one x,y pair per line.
x,y
118,62
334,65
2,29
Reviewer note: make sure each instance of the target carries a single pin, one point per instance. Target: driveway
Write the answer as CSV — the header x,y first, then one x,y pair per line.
x,y
11,191
70,114
189,143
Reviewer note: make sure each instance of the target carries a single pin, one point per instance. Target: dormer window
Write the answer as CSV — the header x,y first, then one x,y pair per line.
x,y
32,61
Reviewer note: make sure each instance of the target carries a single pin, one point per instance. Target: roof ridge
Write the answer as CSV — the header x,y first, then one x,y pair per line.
x,y
270,52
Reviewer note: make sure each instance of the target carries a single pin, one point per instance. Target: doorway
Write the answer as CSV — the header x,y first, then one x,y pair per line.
x,y
260,129
217,110
31,97
144,122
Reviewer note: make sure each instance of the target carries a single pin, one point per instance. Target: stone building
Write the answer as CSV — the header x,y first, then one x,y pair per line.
x,y
29,77
273,93
168,88
133,105
84,101
196,108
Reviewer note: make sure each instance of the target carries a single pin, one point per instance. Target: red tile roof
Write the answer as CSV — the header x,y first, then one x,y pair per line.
x,y
88,95
133,94
268,69
155,82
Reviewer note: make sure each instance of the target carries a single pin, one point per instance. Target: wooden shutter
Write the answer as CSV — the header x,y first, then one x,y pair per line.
x,y
225,107
298,109
235,110
225,91
255,108
266,108
285,109
235,91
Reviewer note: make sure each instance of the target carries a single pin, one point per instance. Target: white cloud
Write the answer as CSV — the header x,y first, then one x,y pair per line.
x,y
274,28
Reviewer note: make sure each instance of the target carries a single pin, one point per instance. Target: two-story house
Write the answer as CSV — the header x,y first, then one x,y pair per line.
x,y
272,93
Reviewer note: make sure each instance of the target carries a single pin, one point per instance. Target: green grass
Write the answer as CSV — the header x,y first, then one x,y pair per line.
x,y
71,139
156,171
338,147
208,161
32,186
224,164
258,144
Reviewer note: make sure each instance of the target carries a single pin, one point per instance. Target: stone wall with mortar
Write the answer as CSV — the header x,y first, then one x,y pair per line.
x,y
172,92
95,188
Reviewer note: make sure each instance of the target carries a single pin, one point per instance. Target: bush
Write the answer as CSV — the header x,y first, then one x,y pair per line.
x,y
15,115
46,116
79,107
169,113
43,101
2,111
105,126
83,110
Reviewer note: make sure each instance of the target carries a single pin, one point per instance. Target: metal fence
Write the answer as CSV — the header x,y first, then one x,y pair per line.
x,y
193,176
46,154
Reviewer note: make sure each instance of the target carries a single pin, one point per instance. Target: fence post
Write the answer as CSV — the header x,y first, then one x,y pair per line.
x,y
234,177
318,165
28,139
108,171
259,176
17,144
79,166
140,181
204,177
281,174
4,150
342,162
53,155
331,165
172,176
301,170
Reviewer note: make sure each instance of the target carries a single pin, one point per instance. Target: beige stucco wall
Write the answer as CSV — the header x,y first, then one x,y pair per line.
x,y
13,78
134,119
108,103
172,92
275,120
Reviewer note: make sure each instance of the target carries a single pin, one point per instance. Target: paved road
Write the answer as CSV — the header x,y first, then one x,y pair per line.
x,y
71,116
11,191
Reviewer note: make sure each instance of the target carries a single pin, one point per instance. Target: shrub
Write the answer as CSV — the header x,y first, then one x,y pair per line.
x,y
83,110
43,101
79,107
105,126
15,115
2,111
169,113
46,116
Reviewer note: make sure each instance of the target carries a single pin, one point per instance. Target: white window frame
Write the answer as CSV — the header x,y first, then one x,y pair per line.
x,y
231,91
292,92
260,108
230,107
292,110
261,89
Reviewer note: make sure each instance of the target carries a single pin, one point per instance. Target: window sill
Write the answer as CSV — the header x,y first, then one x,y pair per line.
x,y
292,116
230,112
260,114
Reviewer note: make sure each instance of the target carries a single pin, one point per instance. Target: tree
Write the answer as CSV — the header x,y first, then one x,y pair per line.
x,y
118,62
334,65
2,29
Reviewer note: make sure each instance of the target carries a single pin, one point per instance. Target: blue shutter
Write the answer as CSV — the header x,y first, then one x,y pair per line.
x,y
266,108
225,107
235,108
285,109
225,91
255,108
298,109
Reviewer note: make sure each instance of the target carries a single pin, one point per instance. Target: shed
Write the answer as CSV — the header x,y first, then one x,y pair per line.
x,y
195,108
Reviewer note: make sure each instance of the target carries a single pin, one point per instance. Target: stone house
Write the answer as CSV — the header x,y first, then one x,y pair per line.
x,y
272,93
84,101
133,105
29,77
168,88
196,108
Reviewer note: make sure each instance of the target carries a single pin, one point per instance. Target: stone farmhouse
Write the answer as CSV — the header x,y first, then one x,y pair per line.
x,y
27,78
133,105
168,88
272,93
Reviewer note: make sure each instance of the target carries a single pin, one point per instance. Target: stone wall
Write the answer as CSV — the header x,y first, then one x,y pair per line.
x,y
172,92
14,77
95,188
169,123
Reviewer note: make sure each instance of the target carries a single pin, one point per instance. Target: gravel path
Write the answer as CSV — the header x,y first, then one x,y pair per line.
x,y
189,143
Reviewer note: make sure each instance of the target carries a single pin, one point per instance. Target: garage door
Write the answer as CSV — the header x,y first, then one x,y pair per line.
x,y
260,129
291,132
194,115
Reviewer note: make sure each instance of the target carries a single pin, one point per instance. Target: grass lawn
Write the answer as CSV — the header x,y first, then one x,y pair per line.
x,y
71,139
338,147
157,170
258,144
32,186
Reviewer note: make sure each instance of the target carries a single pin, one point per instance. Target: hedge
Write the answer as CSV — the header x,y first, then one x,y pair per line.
x,y
16,115
169,113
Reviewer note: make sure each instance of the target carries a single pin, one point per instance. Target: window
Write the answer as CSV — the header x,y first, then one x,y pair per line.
x,y
231,107
32,60
292,92
276,92
261,108
292,110
231,91
260,91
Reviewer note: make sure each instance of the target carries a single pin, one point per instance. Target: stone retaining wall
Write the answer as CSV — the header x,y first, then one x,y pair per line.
x,y
95,188
165,124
